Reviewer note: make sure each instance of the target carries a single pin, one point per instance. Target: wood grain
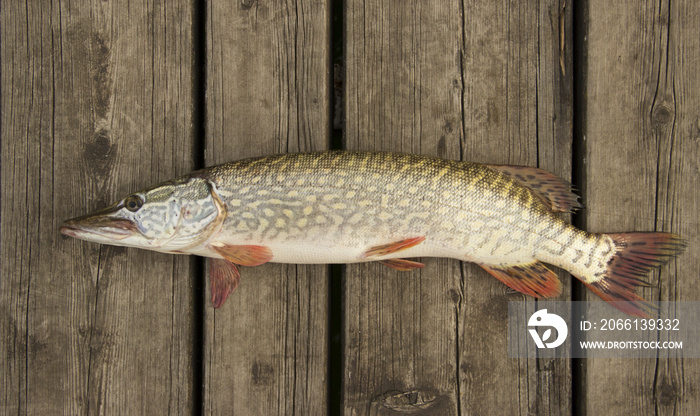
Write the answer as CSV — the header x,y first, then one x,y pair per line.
x,y
402,94
483,82
642,127
517,110
268,92
96,102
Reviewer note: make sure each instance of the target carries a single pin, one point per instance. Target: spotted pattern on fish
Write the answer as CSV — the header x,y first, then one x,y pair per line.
x,y
466,207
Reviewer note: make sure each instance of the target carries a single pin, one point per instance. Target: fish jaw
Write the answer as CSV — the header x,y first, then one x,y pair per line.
x,y
101,227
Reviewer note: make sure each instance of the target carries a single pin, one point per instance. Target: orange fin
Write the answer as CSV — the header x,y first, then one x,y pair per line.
x,y
394,247
402,264
533,279
224,278
555,192
637,254
243,255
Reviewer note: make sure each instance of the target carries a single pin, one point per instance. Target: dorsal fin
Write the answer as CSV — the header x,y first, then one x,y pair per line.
x,y
555,192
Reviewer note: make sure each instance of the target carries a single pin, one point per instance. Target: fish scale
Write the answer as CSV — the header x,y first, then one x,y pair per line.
x,y
347,207
381,199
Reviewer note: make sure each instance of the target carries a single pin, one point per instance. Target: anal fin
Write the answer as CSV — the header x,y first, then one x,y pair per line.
x,y
533,279
224,278
402,264
396,246
555,192
245,255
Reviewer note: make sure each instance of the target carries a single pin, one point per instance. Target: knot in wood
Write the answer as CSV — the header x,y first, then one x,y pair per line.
x,y
247,4
455,296
410,401
661,115
668,393
262,374
100,151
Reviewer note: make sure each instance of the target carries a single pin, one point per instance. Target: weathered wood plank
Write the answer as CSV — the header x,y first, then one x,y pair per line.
x,y
96,102
518,110
642,127
402,94
480,82
268,92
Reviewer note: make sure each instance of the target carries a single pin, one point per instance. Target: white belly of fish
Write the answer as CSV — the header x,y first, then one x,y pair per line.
x,y
326,251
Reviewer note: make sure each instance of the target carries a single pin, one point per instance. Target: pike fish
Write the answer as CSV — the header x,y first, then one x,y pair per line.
x,y
349,207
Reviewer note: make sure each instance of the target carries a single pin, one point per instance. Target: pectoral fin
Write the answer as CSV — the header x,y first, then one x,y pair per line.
x,y
224,278
533,279
402,264
245,255
394,247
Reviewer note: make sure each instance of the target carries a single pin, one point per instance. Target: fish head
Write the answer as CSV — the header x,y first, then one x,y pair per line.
x,y
171,217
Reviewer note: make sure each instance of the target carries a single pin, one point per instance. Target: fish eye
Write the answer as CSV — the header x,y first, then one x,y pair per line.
x,y
133,203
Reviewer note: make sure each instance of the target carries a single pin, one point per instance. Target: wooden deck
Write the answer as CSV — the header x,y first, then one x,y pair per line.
x,y
101,98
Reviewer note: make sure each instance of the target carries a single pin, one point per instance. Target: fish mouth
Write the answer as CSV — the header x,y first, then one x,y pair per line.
x,y
98,228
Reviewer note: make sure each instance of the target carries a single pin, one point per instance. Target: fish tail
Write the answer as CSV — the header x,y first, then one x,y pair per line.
x,y
636,255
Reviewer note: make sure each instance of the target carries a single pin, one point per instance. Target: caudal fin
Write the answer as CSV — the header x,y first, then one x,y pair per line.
x,y
637,254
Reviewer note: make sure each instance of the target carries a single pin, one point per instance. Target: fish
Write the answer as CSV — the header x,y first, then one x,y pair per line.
x,y
351,207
